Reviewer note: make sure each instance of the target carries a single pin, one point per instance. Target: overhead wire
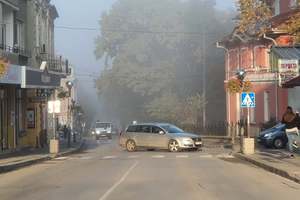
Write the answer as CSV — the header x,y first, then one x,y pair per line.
x,y
116,30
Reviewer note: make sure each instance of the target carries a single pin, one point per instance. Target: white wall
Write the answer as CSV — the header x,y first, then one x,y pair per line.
x,y
44,30
8,20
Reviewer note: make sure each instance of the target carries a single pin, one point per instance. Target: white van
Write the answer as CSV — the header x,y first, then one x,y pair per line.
x,y
103,130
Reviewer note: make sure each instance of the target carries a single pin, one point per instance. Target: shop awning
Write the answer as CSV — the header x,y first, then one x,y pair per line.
x,y
288,64
40,79
292,83
288,53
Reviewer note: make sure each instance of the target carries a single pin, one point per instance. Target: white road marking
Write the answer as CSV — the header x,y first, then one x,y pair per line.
x,y
80,158
158,156
109,157
182,156
61,158
206,156
110,190
225,156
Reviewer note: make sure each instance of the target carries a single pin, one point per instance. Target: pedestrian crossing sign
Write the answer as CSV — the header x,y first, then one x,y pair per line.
x,y
248,100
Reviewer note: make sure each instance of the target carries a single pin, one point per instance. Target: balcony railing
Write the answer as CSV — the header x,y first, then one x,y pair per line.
x,y
55,63
15,49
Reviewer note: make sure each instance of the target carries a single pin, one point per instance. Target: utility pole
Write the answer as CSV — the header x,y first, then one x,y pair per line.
x,y
204,78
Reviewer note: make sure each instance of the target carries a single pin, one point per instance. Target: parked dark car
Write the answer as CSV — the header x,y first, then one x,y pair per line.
x,y
274,137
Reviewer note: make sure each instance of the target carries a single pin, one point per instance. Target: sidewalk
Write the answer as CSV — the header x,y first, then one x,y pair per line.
x,y
16,160
275,161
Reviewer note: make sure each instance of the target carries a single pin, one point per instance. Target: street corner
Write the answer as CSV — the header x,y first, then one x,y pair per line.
x,y
281,168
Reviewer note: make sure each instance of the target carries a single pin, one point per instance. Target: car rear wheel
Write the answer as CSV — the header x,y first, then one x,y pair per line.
x,y
130,146
173,146
278,143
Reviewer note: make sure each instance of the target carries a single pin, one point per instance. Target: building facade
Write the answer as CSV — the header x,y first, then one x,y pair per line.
x,y
256,57
13,54
30,72
69,100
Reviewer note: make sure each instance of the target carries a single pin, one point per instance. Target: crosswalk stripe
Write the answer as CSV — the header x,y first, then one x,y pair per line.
x,y
182,156
158,156
225,156
61,158
155,156
206,156
109,157
81,158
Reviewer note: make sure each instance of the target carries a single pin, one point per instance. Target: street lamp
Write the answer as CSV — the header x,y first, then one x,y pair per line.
x,y
241,74
69,85
247,144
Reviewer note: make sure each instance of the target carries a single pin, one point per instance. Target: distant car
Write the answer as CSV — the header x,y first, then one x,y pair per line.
x,y
158,136
102,130
273,137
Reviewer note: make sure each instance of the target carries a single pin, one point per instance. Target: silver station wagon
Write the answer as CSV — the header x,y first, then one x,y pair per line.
x,y
158,136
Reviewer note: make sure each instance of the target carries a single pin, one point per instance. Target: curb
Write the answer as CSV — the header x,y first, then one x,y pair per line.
x,y
22,164
26,163
71,151
268,168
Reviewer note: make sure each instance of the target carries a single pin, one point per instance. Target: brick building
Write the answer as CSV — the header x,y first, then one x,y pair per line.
x,y
260,58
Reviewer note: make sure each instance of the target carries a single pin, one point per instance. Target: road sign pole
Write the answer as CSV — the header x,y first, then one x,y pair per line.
x,y
248,122
53,117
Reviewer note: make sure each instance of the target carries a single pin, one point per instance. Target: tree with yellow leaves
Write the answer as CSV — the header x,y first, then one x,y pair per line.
x,y
292,26
236,86
254,17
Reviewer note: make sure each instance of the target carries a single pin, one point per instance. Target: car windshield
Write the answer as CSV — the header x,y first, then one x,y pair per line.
x,y
103,125
279,126
172,129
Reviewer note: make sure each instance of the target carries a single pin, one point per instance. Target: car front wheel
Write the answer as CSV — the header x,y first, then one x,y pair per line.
x,y
173,146
278,143
130,146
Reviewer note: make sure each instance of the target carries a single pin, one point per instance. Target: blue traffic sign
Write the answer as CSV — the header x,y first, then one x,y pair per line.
x,y
248,100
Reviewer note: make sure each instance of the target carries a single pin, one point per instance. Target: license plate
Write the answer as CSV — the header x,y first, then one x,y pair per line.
x,y
258,140
198,143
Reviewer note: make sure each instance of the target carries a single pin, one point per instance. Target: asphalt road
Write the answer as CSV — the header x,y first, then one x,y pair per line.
x,y
103,171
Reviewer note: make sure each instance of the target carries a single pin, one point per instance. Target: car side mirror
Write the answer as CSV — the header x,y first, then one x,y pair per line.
x,y
161,133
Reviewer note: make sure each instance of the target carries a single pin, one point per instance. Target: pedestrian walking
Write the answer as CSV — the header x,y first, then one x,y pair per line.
x,y
292,122
65,131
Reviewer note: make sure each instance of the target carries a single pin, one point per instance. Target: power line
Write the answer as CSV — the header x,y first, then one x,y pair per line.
x,y
77,28
194,75
111,30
